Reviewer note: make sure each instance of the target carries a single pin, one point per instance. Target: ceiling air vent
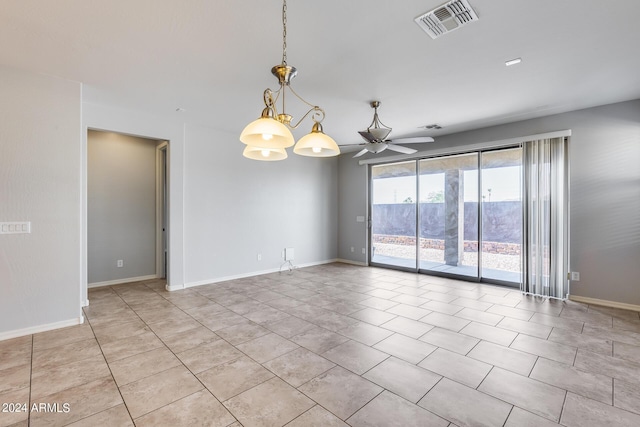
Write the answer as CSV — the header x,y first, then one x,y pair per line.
x,y
447,17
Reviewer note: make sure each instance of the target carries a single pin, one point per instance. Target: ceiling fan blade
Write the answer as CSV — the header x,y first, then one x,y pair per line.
x,y
414,140
352,145
401,149
360,153
367,136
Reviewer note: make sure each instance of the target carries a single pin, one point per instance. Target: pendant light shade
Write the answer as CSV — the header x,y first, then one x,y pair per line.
x,y
267,132
267,137
316,144
264,154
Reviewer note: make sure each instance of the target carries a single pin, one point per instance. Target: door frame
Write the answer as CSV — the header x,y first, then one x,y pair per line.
x,y
162,203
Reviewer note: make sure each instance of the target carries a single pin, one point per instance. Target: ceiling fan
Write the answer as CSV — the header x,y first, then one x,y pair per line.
x,y
376,137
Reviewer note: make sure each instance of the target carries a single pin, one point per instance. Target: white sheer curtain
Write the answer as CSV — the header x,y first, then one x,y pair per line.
x,y
545,218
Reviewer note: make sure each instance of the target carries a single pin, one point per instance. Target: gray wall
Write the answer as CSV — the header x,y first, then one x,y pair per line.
x,y
121,206
604,153
353,191
236,208
39,182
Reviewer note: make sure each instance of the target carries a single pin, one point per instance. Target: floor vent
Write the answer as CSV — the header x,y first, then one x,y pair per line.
x,y
447,17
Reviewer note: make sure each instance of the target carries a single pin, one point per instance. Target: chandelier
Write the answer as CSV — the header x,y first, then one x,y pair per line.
x,y
267,137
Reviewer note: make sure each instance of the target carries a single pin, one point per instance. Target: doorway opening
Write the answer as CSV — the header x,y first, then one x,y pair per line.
x,y
127,208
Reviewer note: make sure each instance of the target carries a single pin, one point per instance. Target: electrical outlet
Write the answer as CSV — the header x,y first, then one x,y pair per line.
x,y
353,249
259,257
575,276
120,263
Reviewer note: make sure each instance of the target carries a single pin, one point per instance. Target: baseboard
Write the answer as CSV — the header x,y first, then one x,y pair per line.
x,y
85,303
245,275
121,281
348,261
41,328
606,303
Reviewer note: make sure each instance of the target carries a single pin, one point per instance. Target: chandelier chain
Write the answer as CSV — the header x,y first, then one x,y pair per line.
x,y
284,32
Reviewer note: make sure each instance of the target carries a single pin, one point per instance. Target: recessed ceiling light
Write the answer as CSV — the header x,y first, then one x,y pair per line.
x,y
433,126
513,62
180,110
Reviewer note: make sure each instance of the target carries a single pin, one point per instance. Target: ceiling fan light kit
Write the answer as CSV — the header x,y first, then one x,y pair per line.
x,y
267,137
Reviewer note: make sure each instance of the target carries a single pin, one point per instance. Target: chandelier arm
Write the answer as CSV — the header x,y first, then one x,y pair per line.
x,y
317,111
302,99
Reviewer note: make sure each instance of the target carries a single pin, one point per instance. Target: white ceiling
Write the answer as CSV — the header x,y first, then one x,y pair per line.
x,y
213,58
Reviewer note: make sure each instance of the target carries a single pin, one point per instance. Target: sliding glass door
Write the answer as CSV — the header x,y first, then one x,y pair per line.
x,y
393,214
449,214
457,215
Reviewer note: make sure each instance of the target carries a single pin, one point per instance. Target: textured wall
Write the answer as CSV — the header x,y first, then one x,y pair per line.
x,y
39,182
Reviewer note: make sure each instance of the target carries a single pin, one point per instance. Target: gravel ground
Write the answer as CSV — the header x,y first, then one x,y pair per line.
x,y
494,261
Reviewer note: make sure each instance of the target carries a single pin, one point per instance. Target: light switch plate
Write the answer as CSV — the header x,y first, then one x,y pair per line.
x,y
15,227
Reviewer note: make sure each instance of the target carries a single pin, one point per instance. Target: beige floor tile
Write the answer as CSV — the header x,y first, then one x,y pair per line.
x,y
388,409
373,316
440,297
412,299
237,334
479,316
299,366
150,393
234,377
319,339
272,403
118,416
208,355
405,348
222,320
46,381
126,347
205,311
66,353
504,357
456,367
626,395
340,391
84,400
450,340
471,303
289,327
465,406
626,351
317,417
142,365
548,349
607,365
618,335
408,327
402,378
16,414
409,311
334,321
266,315
365,333
580,412
165,328
45,340
197,409
162,315
534,396
594,386
267,347
15,378
558,322
378,303
529,328
515,313
583,341
190,339
489,333
355,357
15,352
521,418
442,307
626,324
108,333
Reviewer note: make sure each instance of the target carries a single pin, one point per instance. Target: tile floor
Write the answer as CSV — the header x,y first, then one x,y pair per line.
x,y
332,345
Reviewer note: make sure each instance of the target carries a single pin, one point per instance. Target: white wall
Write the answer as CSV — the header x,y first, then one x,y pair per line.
x,y
236,208
604,153
121,207
39,182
